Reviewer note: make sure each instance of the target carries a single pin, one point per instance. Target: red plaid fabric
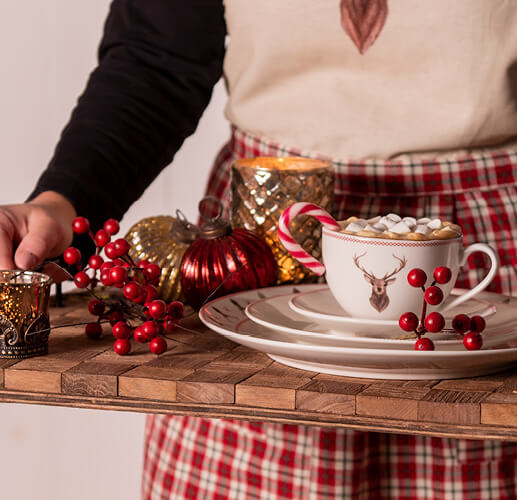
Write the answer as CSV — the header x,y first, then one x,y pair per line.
x,y
190,458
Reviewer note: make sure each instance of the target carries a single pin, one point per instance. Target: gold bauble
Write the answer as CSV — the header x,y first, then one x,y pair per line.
x,y
162,239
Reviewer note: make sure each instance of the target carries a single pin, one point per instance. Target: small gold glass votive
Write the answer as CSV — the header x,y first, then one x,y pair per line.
x,y
263,187
24,320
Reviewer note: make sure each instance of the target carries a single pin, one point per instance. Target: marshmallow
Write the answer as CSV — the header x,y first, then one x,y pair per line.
x,y
434,224
410,221
387,222
423,220
394,217
380,227
373,229
400,228
374,220
354,227
422,229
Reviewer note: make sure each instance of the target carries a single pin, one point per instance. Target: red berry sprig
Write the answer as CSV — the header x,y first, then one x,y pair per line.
x,y
139,314
434,321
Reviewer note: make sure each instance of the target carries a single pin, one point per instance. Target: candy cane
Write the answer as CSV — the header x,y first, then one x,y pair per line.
x,y
295,249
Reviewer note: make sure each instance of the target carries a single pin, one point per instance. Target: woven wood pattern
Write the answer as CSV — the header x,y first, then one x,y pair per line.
x,y
206,375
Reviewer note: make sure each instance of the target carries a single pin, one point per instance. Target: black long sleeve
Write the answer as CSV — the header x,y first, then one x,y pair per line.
x,y
158,63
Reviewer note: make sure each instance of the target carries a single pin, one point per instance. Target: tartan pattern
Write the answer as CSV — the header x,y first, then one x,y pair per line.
x,y
216,459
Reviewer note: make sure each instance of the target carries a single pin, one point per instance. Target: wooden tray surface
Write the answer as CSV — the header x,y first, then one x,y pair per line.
x,y
203,374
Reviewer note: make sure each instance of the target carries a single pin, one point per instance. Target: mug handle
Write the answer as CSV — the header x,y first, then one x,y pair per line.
x,y
295,249
494,266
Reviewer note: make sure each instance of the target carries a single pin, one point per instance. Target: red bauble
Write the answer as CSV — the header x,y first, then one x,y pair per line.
x,y
442,275
158,345
433,295
222,261
93,330
477,324
417,277
111,226
424,344
434,322
122,347
72,256
80,225
408,322
473,341
461,323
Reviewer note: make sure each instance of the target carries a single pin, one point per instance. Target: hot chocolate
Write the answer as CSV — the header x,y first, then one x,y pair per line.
x,y
395,227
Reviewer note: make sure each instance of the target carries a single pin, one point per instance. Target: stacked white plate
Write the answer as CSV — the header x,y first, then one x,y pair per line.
x,y
304,327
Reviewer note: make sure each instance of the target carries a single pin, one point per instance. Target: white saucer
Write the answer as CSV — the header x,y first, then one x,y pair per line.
x,y
274,313
226,316
320,306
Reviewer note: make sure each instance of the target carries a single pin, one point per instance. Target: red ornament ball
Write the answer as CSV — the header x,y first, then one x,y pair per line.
x,y
417,277
81,280
139,335
477,324
157,309
72,256
408,322
461,323
158,345
93,331
424,344
122,347
102,238
473,341
434,322
433,295
80,225
96,307
121,330
442,275
111,226
95,261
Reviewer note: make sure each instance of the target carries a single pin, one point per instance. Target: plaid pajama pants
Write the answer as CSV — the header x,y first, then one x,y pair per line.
x,y
190,458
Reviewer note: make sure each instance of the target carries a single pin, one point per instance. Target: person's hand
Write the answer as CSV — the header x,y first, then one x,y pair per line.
x,y
32,232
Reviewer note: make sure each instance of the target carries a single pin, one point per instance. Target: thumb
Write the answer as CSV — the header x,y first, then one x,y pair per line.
x,y
36,244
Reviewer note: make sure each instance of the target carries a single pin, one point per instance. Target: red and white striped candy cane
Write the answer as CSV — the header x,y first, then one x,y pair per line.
x,y
295,249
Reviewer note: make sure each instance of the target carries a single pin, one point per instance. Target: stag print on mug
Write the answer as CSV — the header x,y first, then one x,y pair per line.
x,y
379,299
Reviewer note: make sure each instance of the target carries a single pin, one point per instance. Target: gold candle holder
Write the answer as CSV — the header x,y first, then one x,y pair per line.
x,y
263,187
24,321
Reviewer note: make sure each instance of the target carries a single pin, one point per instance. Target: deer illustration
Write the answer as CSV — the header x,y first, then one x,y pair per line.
x,y
379,298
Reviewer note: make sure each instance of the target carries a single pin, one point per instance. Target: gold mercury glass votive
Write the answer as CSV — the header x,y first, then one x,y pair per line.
x,y
263,187
24,320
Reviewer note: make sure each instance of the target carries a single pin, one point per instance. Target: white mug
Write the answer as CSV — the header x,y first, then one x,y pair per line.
x,y
368,276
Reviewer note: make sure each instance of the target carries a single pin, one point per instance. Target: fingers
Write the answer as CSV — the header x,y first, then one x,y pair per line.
x,y
6,249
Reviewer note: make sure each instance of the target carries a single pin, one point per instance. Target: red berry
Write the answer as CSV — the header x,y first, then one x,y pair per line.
x,y
115,317
93,330
424,344
169,326
157,309
158,345
102,238
111,226
417,277
176,310
473,341
96,307
81,280
152,272
477,324
151,293
122,347
461,323
95,261
72,256
408,322
433,295
121,330
434,322
110,251
150,330
141,298
132,290
106,278
120,262
442,275
80,225
121,246
142,263
118,275
139,336
106,265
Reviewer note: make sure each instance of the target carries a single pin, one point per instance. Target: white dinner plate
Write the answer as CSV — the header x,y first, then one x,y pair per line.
x,y
226,316
320,306
274,313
